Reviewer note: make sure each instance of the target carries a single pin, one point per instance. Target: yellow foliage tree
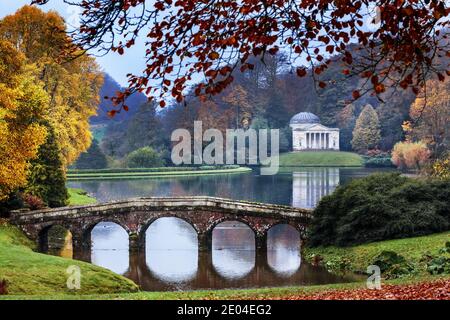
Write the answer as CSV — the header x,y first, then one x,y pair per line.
x,y
22,106
72,84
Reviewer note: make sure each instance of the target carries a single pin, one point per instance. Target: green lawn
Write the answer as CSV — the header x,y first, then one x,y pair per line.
x,y
32,273
359,257
141,174
320,159
79,197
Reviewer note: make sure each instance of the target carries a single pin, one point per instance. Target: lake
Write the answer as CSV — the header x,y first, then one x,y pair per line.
x,y
171,260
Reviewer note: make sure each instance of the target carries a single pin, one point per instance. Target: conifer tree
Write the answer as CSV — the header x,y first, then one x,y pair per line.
x,y
366,134
93,158
47,177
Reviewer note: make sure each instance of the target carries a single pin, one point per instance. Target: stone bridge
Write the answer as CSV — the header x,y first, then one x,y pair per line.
x,y
136,215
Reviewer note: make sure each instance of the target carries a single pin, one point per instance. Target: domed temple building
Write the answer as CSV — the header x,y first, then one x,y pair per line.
x,y
309,134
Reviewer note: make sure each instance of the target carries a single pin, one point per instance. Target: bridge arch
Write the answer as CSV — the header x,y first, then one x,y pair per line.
x,y
143,229
210,228
86,233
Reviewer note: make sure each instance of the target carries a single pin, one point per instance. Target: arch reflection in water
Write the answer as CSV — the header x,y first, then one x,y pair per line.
x,y
233,249
56,240
283,245
110,247
310,185
172,250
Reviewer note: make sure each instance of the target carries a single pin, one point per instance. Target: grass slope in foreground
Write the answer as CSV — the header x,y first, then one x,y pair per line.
x,y
79,197
31,273
320,159
357,258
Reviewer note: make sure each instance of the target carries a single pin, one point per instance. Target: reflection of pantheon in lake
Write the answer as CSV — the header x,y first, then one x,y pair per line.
x,y
309,186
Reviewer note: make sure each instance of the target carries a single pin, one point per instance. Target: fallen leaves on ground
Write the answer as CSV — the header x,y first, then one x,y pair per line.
x,y
432,290
436,290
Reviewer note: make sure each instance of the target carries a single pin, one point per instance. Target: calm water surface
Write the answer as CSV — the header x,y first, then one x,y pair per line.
x,y
172,260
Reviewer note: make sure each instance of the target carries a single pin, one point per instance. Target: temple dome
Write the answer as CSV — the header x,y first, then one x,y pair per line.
x,y
304,118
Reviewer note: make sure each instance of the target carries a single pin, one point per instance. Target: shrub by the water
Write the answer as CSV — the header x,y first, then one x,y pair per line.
x,y
392,264
145,157
33,202
380,207
377,162
441,263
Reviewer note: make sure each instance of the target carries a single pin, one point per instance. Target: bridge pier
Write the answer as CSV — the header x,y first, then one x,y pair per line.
x,y
261,242
136,242
204,241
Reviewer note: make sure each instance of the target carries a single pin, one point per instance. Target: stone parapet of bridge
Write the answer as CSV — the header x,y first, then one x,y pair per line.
x,y
136,215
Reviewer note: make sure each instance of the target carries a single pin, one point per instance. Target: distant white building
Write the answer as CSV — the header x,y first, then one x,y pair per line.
x,y
309,134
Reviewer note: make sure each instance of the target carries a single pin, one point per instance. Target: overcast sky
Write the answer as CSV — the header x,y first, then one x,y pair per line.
x,y
117,66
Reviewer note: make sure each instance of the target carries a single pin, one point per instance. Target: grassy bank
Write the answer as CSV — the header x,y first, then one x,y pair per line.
x,y
150,172
261,293
79,197
320,159
357,258
31,273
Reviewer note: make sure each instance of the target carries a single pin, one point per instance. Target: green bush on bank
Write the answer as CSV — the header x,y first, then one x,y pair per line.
x,y
380,207
145,157
378,162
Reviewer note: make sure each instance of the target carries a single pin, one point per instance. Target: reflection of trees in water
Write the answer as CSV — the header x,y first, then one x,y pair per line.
x,y
233,235
59,242
236,186
283,236
301,187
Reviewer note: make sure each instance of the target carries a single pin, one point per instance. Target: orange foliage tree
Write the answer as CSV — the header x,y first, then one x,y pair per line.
x,y
410,155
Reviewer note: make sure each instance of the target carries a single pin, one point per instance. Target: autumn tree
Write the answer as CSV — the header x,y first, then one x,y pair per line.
x,y
22,105
366,134
410,155
237,98
396,42
72,85
214,117
430,117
